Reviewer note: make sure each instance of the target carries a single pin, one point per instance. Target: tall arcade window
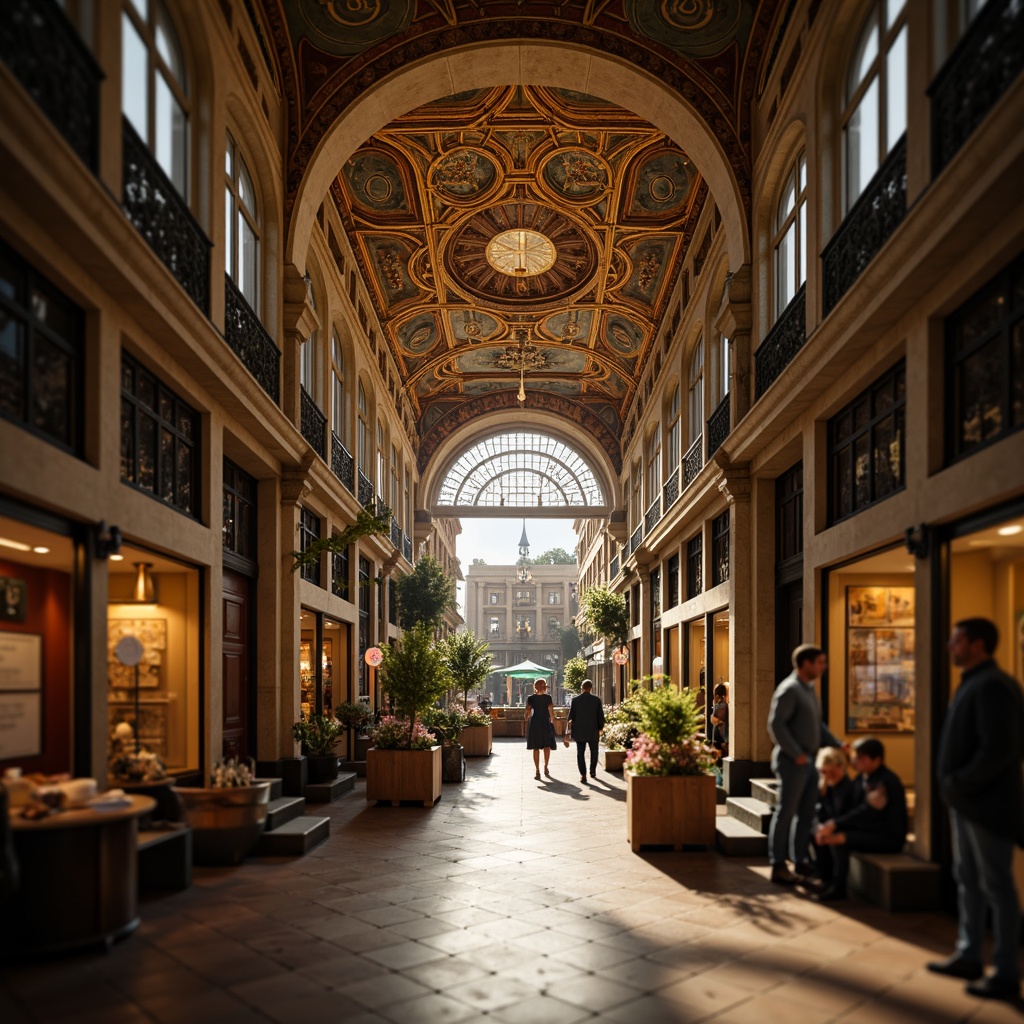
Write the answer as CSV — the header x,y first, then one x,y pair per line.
x,y
396,508
382,479
985,359
654,466
309,357
363,438
238,529
154,86
696,393
672,451
866,442
242,227
875,111
159,439
309,531
40,354
634,497
720,549
694,566
339,394
789,242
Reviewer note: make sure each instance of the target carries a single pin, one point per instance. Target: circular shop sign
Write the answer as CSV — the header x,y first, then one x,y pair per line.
x,y
129,650
373,656
620,657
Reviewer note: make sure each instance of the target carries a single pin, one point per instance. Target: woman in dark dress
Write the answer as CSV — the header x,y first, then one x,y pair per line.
x,y
540,725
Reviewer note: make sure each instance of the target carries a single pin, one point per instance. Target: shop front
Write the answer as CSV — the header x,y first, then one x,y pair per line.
x,y
324,681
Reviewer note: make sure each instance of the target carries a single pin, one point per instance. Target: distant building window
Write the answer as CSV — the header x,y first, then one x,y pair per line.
x,y
309,531
720,549
40,354
495,626
494,598
239,525
554,598
341,572
159,438
866,444
672,583
655,593
985,352
694,566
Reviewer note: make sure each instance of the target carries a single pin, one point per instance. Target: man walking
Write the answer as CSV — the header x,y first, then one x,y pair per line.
x,y
979,775
584,725
796,728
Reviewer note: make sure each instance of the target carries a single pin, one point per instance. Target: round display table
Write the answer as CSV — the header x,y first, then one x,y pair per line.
x,y
79,879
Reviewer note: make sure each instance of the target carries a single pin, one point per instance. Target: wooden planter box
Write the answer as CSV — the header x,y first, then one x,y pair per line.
x,y
397,775
670,810
613,760
477,740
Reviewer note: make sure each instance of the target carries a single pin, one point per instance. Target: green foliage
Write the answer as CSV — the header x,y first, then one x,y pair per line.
x,y
368,524
474,716
353,714
668,715
317,734
413,674
573,675
571,640
605,613
425,594
446,723
555,556
468,659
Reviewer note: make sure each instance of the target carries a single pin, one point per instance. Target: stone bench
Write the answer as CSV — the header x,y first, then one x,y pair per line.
x,y
895,881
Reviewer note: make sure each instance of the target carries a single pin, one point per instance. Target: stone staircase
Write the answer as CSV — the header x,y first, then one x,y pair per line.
x,y
290,832
743,831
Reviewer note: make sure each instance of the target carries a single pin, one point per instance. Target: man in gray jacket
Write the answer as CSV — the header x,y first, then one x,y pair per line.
x,y
795,725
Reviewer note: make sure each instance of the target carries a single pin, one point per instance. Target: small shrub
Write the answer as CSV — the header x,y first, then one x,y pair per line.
x,y
394,734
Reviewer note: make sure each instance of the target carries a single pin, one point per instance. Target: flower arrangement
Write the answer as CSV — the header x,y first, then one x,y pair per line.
x,y
477,717
623,724
670,741
393,733
317,734
129,762
619,735
231,774
445,723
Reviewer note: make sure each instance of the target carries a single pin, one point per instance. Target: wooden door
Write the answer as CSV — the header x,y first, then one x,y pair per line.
x,y
237,664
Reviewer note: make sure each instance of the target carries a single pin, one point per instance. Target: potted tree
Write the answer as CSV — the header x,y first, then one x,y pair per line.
x,y
670,788
447,725
469,662
404,762
604,614
318,734
356,718
425,594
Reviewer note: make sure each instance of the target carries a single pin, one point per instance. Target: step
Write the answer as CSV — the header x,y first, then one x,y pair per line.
x,y
294,838
358,767
325,792
283,810
734,839
721,795
754,813
766,790
276,787
895,881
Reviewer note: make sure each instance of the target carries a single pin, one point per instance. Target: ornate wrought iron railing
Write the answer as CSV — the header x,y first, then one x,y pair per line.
x,y
343,466
250,341
782,343
365,489
313,423
634,541
407,547
986,60
670,491
652,515
693,461
45,53
164,220
396,534
866,228
382,507
613,569
718,426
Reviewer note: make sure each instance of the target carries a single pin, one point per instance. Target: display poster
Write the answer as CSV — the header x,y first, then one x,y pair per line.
x,y
21,661
880,659
13,599
20,725
152,634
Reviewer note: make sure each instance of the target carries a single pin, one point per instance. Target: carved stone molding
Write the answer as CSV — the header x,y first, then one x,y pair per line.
x,y
300,317
735,484
295,486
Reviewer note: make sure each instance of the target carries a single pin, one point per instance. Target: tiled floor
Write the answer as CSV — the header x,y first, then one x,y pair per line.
x,y
513,901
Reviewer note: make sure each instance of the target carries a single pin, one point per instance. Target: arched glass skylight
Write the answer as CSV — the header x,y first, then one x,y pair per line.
x,y
520,468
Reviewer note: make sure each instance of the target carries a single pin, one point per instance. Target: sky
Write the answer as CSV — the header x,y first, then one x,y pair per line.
x,y
496,541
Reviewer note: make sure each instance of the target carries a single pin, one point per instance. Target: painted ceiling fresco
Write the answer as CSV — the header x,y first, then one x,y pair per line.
x,y
609,203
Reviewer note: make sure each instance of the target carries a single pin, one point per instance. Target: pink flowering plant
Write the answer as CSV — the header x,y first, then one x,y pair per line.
x,y
670,740
393,733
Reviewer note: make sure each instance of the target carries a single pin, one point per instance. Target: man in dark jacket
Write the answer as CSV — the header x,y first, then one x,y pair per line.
x,y
875,822
584,725
979,775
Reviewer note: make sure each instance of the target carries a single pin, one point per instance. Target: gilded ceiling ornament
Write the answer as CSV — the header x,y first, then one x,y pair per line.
x,y
345,27
521,252
697,28
463,174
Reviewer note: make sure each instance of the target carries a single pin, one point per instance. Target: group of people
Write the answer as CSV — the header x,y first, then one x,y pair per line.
x,y
822,815
583,724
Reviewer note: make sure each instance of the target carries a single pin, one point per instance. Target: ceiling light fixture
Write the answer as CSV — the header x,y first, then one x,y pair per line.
x,y
1009,531
522,357
117,558
145,591
41,550
14,545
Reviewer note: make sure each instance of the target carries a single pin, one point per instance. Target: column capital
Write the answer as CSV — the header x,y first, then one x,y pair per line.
x,y
296,485
299,315
735,484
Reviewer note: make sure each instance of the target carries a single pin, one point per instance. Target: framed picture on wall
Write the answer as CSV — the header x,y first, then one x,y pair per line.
x,y
880,659
152,634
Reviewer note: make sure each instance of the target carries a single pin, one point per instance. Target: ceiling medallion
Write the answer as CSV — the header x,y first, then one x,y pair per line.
x,y
521,253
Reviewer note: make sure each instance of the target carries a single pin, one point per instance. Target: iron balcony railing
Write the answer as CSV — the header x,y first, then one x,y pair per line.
x,y
693,461
782,343
250,341
652,515
364,493
614,568
636,538
396,534
162,217
313,424
718,426
407,547
343,466
866,228
670,491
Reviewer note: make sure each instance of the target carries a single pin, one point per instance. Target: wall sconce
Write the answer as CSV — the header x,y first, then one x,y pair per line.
x,y
144,591
108,540
917,540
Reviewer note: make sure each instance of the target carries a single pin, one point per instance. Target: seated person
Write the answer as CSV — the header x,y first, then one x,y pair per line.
x,y
877,823
720,720
838,794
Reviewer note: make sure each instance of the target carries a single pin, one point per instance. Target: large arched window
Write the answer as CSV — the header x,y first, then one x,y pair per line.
x,y
242,226
695,396
720,370
382,466
363,440
154,86
309,356
672,451
789,241
875,111
339,394
654,465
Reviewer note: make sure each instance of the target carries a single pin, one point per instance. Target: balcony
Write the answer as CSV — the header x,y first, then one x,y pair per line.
x,y
163,218
636,538
396,534
652,515
364,494
718,426
313,424
670,491
981,68
866,228
343,466
613,570
784,340
407,547
45,53
249,340
693,461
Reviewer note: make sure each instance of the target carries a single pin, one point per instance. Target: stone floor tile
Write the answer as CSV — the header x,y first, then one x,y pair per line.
x,y
653,1009
593,993
432,1009
383,990
314,1008
541,1010
492,993
405,954
440,975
